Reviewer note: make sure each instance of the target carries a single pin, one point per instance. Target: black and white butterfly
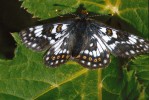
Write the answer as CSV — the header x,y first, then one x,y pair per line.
x,y
84,40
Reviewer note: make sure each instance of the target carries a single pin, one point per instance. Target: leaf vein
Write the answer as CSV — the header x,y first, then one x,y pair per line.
x,y
77,74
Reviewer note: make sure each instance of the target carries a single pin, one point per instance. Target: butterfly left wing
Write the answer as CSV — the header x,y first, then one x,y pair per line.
x,y
42,37
94,54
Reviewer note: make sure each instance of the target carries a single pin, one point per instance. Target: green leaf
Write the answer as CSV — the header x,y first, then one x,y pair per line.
x,y
141,66
135,12
26,77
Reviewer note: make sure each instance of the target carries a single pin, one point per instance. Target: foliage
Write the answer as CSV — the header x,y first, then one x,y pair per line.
x,y
25,77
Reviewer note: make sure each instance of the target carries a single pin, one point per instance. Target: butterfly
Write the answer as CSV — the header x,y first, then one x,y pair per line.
x,y
83,40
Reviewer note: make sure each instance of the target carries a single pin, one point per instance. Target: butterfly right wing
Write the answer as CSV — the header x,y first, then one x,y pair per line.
x,y
121,43
43,36
94,55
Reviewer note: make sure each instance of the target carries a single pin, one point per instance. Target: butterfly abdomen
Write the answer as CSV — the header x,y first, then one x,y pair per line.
x,y
78,42
79,37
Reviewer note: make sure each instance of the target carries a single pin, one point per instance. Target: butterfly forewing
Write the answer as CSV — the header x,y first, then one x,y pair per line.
x,y
43,36
121,43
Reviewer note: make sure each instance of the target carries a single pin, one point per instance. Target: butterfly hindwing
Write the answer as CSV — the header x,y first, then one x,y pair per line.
x,y
59,53
94,54
43,36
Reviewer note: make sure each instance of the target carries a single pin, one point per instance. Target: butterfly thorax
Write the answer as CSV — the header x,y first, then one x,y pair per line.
x,y
83,14
80,29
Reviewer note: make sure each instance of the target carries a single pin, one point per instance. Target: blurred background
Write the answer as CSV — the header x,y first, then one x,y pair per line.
x,y
12,19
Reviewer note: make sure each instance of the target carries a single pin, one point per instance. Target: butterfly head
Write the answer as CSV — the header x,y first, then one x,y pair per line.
x,y
82,12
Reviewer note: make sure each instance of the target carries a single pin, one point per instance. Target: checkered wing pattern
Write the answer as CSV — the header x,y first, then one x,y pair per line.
x,y
121,43
59,53
43,36
94,54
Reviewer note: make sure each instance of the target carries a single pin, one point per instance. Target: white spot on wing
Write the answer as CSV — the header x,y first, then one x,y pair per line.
x,y
52,41
105,61
86,51
49,38
57,51
38,34
90,53
126,53
132,52
64,26
24,38
94,53
65,43
51,63
103,29
34,45
94,65
89,63
47,58
131,42
114,34
137,51
108,55
99,47
67,52
83,61
25,41
23,34
58,35
40,26
31,29
106,38
60,52
133,36
132,39
91,44
48,53
56,62
29,43
98,52
81,52
112,46
38,30
54,29
101,43
30,35
64,51
141,40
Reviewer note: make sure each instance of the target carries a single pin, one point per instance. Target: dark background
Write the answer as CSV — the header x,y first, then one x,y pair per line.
x,y
12,19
